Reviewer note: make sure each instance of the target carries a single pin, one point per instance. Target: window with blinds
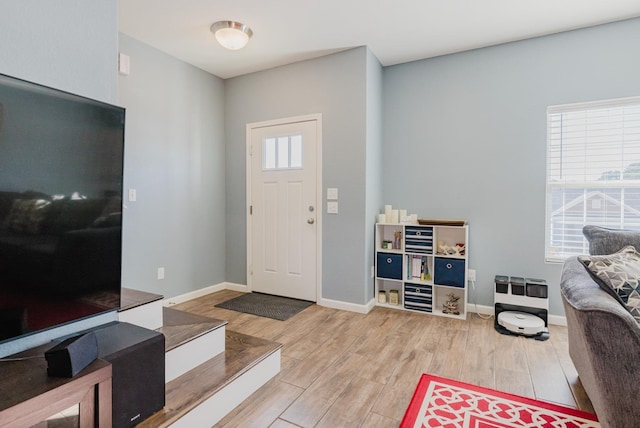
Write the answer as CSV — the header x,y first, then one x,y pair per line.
x,y
593,172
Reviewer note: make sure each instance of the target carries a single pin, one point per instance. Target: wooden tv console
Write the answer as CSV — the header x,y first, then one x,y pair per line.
x,y
28,396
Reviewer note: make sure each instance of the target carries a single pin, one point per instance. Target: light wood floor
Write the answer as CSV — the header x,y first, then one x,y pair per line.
x,y
343,369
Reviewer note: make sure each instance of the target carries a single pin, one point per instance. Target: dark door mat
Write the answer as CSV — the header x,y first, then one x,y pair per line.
x,y
266,305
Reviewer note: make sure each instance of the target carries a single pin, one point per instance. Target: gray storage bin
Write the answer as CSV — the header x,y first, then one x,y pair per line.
x,y
517,286
502,284
536,288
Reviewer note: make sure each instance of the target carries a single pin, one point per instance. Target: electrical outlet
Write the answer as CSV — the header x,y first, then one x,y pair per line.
x,y
472,274
160,273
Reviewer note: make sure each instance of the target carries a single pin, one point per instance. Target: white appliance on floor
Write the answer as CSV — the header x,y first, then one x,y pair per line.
x,y
521,323
521,307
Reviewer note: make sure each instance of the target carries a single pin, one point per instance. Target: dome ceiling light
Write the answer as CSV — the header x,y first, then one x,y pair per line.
x,y
231,34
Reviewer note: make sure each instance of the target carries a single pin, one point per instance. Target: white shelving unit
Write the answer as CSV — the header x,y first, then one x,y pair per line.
x,y
410,262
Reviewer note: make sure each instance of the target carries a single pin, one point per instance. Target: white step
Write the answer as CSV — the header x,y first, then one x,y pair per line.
x,y
208,370
190,341
217,406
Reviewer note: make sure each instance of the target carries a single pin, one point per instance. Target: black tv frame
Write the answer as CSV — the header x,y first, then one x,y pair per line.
x,y
95,248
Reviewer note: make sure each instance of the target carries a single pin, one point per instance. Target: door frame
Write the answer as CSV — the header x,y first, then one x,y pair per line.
x,y
319,193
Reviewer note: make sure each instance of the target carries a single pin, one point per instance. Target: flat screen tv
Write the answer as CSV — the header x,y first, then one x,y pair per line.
x,y
61,165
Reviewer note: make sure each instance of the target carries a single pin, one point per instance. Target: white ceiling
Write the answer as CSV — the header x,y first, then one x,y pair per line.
x,y
396,31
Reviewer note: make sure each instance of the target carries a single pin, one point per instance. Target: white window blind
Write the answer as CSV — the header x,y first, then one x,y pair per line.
x,y
593,172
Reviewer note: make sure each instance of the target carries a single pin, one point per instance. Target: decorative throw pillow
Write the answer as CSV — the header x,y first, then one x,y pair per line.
x,y
608,241
619,275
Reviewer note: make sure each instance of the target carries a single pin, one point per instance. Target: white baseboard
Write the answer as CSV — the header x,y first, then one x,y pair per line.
x,y
557,320
346,306
329,303
335,304
203,292
243,288
480,309
490,310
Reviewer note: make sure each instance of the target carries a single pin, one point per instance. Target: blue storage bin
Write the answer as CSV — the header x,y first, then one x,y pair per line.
x,y
418,246
449,272
389,265
418,297
419,232
419,240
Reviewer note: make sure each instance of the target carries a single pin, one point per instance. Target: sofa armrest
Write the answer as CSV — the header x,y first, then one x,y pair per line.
x,y
604,344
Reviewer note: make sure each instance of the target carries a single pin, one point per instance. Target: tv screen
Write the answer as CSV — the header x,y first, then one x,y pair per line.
x,y
61,163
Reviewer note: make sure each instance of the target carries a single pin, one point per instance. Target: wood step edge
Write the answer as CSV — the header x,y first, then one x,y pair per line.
x,y
180,327
186,392
130,298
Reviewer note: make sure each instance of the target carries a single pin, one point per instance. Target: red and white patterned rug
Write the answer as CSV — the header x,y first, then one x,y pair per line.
x,y
440,402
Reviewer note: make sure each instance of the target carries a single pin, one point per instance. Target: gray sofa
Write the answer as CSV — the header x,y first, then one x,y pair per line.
x,y
604,339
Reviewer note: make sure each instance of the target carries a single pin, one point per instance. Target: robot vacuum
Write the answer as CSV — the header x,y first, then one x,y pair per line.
x,y
521,323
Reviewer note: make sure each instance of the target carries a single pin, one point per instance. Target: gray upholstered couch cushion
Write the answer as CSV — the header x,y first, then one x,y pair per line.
x,y
608,241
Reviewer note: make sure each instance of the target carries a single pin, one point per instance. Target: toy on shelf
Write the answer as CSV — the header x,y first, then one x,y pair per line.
x,y
451,305
451,250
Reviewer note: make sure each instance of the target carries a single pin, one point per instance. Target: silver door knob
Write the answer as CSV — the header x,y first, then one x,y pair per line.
x,y
311,221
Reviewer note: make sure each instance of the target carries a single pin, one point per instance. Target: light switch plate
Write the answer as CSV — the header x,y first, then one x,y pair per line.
x,y
123,64
332,207
332,193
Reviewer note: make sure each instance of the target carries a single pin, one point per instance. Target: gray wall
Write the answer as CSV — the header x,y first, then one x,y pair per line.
x,y
70,45
465,137
373,164
175,159
334,86
67,44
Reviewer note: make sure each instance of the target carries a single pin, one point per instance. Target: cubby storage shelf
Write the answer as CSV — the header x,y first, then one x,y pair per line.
x,y
424,278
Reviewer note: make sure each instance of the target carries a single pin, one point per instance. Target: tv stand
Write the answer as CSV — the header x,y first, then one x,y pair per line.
x,y
28,396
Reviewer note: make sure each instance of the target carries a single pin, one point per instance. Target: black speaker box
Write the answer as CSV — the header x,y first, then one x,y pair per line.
x,y
137,357
67,358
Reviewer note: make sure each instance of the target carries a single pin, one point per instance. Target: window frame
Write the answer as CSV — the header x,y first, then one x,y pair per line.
x,y
590,187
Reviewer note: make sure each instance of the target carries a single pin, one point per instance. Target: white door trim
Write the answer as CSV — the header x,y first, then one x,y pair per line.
x,y
319,193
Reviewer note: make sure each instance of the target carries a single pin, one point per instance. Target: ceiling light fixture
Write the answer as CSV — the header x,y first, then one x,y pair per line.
x,y
231,34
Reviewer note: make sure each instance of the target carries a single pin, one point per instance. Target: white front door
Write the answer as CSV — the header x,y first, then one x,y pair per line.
x,y
283,215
